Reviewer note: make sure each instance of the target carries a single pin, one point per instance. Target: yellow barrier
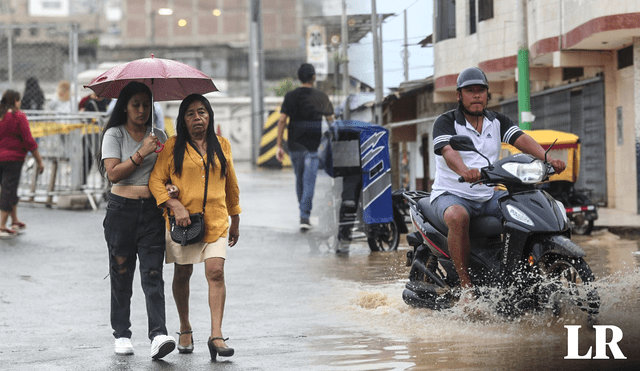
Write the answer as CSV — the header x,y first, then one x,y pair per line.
x,y
43,129
268,147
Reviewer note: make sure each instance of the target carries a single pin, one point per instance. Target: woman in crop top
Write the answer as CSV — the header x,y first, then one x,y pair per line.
x,y
134,225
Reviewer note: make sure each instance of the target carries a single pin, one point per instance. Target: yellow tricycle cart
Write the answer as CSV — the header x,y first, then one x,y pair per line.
x,y
581,211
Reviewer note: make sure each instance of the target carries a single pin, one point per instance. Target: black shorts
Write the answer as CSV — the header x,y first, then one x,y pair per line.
x,y
9,180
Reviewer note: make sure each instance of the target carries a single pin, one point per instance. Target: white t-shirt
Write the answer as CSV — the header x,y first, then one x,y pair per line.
x,y
496,128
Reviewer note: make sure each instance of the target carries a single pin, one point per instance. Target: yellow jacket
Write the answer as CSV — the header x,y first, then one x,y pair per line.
x,y
223,195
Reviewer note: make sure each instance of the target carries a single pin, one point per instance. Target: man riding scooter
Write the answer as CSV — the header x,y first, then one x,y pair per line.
x,y
456,203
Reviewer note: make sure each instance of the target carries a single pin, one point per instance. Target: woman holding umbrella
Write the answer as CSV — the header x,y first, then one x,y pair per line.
x,y
194,158
133,225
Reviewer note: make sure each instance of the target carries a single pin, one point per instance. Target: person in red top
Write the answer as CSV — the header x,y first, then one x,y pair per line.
x,y
15,141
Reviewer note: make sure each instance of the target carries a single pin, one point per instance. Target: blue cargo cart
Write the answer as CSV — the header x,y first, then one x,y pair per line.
x,y
358,152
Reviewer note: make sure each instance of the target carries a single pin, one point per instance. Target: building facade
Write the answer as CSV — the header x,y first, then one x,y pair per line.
x,y
584,75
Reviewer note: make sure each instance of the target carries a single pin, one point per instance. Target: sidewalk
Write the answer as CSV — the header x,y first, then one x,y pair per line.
x,y
616,218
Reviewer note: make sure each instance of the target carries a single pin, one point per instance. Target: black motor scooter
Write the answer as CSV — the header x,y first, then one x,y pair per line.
x,y
529,254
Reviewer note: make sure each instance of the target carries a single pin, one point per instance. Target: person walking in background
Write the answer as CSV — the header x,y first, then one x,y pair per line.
x,y
15,141
196,157
133,225
33,96
304,107
95,104
61,103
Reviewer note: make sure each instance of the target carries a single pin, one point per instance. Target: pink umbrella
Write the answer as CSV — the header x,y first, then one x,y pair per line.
x,y
167,79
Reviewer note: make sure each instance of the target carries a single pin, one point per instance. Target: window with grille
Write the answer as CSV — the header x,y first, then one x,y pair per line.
x,y
485,10
445,19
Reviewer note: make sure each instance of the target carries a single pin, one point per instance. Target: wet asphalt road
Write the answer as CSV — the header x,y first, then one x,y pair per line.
x,y
287,308
54,298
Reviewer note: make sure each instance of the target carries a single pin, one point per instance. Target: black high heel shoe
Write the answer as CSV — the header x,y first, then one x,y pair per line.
x,y
222,351
185,349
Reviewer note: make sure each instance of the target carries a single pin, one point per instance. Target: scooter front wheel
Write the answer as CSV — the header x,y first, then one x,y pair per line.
x,y
383,236
573,277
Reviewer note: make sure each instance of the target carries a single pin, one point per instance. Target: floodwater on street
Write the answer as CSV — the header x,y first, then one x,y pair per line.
x,y
387,334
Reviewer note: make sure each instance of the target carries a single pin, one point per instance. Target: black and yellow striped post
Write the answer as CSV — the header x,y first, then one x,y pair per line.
x,y
268,143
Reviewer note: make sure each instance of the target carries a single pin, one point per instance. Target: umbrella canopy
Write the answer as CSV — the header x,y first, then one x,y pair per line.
x,y
167,79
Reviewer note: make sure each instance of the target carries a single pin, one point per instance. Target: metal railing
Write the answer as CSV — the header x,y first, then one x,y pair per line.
x,y
68,145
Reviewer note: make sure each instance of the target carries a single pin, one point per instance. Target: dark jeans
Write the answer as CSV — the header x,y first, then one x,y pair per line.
x,y
135,229
305,166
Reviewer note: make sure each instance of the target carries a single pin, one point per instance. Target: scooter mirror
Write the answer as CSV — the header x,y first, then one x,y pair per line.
x,y
462,143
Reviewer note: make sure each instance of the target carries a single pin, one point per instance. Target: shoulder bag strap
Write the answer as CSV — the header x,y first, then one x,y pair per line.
x,y
206,185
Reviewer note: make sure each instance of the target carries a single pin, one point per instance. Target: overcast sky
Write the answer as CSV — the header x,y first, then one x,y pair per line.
x,y
419,26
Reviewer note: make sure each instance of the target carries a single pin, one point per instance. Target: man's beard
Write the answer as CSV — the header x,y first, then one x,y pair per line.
x,y
466,111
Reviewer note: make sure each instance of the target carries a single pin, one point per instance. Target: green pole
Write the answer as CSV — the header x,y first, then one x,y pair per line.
x,y
524,91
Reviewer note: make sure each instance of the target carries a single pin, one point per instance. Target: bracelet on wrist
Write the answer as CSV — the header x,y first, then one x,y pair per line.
x,y
131,158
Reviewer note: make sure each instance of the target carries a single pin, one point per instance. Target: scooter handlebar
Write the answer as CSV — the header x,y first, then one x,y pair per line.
x,y
461,179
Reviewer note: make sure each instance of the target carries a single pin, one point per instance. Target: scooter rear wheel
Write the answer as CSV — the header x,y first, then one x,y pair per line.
x,y
582,227
383,237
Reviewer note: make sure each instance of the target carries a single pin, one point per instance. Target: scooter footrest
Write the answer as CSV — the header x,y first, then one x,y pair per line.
x,y
422,288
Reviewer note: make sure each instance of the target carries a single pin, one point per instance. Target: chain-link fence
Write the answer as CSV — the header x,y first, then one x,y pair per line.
x,y
47,53
41,62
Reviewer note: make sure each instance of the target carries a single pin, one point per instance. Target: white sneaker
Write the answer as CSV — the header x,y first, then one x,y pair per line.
x,y
162,345
123,346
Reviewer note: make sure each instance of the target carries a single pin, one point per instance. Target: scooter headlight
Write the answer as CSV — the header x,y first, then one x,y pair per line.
x,y
533,172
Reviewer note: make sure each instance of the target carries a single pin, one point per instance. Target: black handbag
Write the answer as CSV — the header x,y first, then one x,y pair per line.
x,y
194,232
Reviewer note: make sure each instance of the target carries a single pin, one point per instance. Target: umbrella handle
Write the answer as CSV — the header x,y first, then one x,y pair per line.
x,y
161,147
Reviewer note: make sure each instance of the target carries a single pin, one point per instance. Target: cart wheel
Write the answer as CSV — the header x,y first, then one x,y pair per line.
x,y
383,237
585,227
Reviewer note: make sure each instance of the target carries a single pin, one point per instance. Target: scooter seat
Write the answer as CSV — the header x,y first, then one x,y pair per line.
x,y
482,226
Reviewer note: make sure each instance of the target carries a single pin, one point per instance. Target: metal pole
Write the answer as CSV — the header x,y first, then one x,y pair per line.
x,y
377,63
256,75
524,91
10,53
346,82
153,28
406,50
73,56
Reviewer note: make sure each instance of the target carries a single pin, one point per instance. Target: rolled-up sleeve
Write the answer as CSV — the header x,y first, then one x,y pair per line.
x,y
161,173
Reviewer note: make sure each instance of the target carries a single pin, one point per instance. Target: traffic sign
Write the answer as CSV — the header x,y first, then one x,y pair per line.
x,y
317,50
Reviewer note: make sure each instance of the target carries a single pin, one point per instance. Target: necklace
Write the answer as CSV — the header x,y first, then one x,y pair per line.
x,y
478,123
